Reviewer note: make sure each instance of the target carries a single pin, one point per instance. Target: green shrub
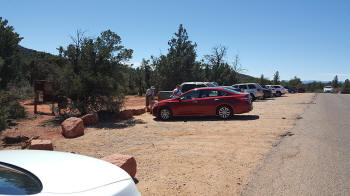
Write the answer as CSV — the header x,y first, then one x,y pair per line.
x,y
346,87
9,108
3,117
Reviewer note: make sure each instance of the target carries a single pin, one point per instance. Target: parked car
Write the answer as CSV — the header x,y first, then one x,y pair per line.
x,y
162,95
280,90
328,89
267,93
209,101
255,90
186,86
270,87
232,88
300,90
40,172
291,89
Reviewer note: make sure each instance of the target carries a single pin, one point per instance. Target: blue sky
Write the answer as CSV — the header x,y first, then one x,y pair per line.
x,y
305,38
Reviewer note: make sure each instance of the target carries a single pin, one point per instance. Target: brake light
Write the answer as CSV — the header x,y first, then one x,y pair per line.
x,y
245,98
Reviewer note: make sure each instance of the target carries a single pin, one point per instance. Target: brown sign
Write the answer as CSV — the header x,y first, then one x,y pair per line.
x,y
44,92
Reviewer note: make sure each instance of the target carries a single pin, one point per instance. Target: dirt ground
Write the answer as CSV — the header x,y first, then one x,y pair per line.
x,y
188,156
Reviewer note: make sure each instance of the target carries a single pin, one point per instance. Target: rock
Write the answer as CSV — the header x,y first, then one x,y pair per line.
x,y
90,119
126,114
41,145
72,127
126,162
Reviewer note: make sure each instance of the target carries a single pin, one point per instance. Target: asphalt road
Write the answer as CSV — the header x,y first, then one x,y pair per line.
x,y
313,161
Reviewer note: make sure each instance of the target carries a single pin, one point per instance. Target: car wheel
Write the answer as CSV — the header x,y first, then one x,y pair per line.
x,y
165,114
253,96
224,112
278,94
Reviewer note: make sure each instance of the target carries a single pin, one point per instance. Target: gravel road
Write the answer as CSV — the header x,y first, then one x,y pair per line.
x,y
315,158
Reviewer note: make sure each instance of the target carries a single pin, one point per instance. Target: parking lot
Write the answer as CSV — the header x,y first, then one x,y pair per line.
x,y
194,156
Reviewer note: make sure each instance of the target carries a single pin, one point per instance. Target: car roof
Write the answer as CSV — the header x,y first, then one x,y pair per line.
x,y
245,83
61,172
197,83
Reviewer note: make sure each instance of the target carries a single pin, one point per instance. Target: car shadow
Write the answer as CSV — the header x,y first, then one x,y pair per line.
x,y
210,118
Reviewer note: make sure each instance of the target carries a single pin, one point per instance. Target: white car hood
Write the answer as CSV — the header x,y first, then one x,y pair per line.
x,y
61,172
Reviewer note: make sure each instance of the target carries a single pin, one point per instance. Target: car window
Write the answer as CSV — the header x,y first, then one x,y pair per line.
x,y
234,91
190,95
235,86
187,87
251,86
201,85
17,181
277,86
242,86
211,93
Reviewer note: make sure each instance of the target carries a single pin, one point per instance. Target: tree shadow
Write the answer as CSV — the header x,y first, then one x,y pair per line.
x,y
118,123
53,122
210,118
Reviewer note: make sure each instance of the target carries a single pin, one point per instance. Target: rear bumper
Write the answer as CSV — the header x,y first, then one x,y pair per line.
x,y
155,111
243,108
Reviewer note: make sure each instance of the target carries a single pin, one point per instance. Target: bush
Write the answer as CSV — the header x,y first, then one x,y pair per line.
x,y
93,78
346,87
9,108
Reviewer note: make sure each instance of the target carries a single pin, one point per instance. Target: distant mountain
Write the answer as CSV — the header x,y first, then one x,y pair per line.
x,y
311,81
246,78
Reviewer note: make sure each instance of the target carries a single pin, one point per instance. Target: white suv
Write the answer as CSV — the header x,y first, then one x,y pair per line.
x,y
255,90
279,90
328,89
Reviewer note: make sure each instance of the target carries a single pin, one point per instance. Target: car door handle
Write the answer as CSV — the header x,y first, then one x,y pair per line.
x,y
216,99
194,101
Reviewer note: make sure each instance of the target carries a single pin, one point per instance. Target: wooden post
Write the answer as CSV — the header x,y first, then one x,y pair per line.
x,y
35,103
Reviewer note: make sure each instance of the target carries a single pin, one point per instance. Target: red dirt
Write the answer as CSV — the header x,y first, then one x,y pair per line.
x,y
134,102
44,124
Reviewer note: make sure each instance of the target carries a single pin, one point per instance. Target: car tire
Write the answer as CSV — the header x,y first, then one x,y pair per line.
x,y
165,114
224,112
253,96
278,94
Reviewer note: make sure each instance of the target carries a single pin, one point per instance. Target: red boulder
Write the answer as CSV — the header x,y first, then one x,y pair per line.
x,y
90,119
72,127
126,162
41,145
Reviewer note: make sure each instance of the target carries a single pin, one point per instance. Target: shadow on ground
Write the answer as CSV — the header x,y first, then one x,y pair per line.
x,y
118,124
210,118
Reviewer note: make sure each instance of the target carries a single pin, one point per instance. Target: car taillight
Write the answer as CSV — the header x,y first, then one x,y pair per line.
x,y
246,97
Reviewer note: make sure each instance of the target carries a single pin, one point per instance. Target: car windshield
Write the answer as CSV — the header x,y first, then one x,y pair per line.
x,y
17,181
232,91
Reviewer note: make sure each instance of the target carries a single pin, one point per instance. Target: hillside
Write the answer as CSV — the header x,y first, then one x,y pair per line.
x,y
247,78
28,55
